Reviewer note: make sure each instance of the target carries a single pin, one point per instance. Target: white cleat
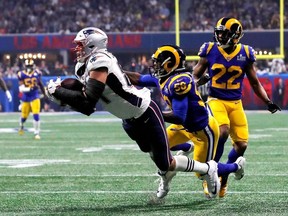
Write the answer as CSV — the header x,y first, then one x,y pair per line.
x,y
212,179
186,153
241,161
165,180
37,137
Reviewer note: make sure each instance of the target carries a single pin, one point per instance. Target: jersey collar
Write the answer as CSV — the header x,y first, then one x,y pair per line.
x,y
230,56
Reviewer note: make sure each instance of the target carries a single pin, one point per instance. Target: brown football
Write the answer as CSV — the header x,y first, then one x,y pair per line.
x,y
73,84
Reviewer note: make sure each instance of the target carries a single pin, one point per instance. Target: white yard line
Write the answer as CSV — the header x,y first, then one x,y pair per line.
x,y
124,175
134,192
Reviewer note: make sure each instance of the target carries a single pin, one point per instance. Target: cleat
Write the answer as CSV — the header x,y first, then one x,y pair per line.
x,y
212,179
205,189
223,187
20,131
165,179
186,153
241,164
37,137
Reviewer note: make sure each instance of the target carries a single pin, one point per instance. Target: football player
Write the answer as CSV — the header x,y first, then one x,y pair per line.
x,y
228,62
4,87
29,85
105,82
189,116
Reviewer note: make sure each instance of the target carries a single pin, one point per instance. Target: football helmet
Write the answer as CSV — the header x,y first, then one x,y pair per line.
x,y
88,41
29,65
228,32
166,60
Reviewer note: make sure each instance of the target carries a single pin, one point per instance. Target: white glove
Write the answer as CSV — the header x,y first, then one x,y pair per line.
x,y
8,95
22,88
58,81
52,86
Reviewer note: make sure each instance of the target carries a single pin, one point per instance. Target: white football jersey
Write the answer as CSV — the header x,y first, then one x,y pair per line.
x,y
120,97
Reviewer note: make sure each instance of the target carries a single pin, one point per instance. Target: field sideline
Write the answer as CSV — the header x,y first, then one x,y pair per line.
x,y
89,166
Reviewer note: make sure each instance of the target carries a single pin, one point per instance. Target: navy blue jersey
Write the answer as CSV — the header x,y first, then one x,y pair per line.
x,y
180,93
227,70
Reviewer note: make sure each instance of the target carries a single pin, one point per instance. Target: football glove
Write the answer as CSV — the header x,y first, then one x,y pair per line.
x,y
203,80
51,87
8,95
272,107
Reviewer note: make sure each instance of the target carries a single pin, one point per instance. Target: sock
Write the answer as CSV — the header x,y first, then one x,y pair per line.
x,y
21,123
226,169
186,164
220,149
184,147
36,125
232,156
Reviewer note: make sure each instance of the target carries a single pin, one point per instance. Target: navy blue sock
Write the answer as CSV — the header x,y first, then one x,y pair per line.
x,y
220,149
184,147
226,169
232,156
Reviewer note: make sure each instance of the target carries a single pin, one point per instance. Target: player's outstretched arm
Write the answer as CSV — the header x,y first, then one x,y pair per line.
x,y
5,88
259,89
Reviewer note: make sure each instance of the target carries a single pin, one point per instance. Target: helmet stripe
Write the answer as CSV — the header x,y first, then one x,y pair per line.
x,y
230,22
173,51
224,21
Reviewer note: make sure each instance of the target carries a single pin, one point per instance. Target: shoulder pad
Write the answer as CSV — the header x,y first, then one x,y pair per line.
x,y
98,60
205,49
250,52
39,72
180,84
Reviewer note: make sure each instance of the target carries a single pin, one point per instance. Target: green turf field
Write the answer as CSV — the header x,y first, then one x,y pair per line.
x,y
89,166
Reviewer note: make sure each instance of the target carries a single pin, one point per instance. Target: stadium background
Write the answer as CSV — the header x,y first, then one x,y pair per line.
x,y
134,31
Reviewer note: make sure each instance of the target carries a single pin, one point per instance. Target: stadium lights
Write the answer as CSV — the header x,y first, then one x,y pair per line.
x,y
34,56
265,52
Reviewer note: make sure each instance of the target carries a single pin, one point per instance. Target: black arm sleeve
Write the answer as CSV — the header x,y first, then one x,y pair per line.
x,y
77,100
203,80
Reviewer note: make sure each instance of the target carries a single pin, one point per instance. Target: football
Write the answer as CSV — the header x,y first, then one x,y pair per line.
x,y
73,84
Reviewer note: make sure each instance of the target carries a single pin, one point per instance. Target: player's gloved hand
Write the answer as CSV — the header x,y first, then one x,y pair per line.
x,y
203,80
8,95
58,81
53,85
272,107
51,88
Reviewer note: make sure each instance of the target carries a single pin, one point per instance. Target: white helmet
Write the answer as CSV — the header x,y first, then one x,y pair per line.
x,y
89,40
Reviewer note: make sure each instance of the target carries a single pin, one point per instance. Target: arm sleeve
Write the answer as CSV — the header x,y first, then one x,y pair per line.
x,y
148,80
180,107
84,103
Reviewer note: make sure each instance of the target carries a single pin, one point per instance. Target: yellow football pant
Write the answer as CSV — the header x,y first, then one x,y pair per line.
x,y
27,107
232,114
205,141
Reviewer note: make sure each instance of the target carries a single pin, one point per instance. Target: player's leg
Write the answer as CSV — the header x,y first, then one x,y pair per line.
x,y
205,151
217,108
149,132
152,136
156,136
25,110
239,134
36,106
176,134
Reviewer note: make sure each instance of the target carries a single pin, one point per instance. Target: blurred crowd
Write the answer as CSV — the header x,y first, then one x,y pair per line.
x,y
254,15
66,16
